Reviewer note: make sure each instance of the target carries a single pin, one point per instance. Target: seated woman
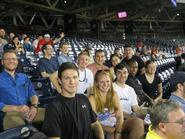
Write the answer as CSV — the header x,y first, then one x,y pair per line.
x,y
151,83
129,104
106,105
114,59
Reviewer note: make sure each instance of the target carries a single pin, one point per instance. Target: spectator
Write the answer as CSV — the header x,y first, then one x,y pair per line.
x,y
155,54
106,104
177,84
27,45
11,35
48,66
48,40
16,45
35,42
88,51
16,91
3,35
151,83
86,77
129,103
117,52
135,83
99,60
1,46
167,121
115,59
129,54
181,66
64,53
70,116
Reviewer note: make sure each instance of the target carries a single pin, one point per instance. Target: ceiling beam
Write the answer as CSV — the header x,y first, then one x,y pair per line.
x,y
40,6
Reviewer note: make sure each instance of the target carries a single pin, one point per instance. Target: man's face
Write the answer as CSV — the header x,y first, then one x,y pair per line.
x,y
47,39
100,58
128,52
69,82
10,61
48,50
83,61
175,128
2,32
65,49
122,75
133,68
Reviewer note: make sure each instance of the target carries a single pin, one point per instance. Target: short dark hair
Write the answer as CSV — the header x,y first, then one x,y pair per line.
x,y
149,62
99,51
127,46
44,47
120,66
67,66
131,62
8,51
63,43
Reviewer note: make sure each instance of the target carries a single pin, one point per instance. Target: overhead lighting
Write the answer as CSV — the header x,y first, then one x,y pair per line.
x,y
178,14
65,1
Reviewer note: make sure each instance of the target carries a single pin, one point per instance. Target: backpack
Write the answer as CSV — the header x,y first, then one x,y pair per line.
x,y
23,132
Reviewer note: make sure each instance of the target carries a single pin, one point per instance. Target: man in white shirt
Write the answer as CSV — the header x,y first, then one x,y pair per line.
x,y
86,77
129,104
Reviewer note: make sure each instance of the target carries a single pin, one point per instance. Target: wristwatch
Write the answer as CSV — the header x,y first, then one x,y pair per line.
x,y
34,105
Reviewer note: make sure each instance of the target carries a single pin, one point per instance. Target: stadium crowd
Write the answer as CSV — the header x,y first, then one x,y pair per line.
x,y
110,91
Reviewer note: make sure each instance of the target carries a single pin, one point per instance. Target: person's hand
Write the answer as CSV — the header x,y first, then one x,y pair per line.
x,y
23,109
62,35
32,113
157,99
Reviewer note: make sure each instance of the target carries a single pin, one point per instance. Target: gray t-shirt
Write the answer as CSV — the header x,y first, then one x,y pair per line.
x,y
181,101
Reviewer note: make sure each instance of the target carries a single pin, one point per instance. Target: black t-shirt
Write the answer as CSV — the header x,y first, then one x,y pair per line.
x,y
69,118
136,85
150,88
139,61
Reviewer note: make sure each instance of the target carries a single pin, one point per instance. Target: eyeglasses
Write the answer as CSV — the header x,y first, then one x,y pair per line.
x,y
9,59
104,70
181,122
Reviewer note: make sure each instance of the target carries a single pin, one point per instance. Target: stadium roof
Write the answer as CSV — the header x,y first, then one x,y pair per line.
x,y
145,15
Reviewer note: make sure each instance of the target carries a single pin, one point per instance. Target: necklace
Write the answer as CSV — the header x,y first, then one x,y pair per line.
x,y
84,77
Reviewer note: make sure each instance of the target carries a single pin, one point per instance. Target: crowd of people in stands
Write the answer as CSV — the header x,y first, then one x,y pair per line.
x,y
94,99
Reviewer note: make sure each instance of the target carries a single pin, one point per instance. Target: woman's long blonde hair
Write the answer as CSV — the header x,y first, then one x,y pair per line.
x,y
110,97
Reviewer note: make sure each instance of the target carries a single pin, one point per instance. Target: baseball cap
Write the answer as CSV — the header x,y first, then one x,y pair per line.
x,y
46,36
177,77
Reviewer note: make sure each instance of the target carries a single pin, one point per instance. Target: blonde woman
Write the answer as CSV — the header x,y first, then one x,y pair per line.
x,y
106,105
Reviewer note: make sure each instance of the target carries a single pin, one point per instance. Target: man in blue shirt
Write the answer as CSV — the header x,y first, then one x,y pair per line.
x,y
16,91
48,66
64,53
177,83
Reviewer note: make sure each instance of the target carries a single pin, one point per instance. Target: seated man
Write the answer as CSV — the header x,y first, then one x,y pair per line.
x,y
86,77
129,103
135,83
167,121
16,91
48,65
177,83
64,53
70,116
99,60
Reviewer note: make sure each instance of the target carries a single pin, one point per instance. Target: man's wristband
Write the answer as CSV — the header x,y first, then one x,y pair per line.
x,y
34,105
